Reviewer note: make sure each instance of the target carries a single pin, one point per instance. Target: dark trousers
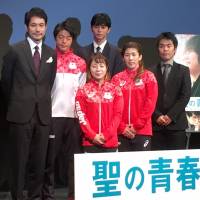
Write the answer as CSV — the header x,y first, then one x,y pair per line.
x,y
98,149
4,147
169,140
48,184
139,143
194,140
67,142
28,148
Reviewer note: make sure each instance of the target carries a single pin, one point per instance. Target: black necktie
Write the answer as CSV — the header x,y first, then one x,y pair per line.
x,y
166,70
98,49
36,60
166,73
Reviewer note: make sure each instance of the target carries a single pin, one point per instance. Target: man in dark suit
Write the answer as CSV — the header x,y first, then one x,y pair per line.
x,y
100,27
169,118
27,78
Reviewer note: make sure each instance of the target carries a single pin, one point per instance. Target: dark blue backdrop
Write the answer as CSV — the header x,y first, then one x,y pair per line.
x,y
139,18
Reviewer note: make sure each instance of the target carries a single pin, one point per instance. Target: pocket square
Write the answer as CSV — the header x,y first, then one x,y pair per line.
x,y
50,60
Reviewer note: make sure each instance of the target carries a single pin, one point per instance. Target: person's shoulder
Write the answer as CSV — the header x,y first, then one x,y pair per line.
x,y
113,47
86,51
48,48
15,48
19,44
120,74
148,71
149,74
87,85
78,58
83,90
154,68
80,91
80,62
117,78
181,66
87,46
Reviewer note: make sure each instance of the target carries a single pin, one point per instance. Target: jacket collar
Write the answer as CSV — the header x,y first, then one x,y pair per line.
x,y
59,53
96,83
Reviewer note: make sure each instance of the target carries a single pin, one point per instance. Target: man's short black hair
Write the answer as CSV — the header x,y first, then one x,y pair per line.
x,y
35,12
101,19
169,36
63,26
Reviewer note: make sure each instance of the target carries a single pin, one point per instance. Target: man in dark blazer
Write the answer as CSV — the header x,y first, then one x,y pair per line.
x,y
174,89
100,27
27,77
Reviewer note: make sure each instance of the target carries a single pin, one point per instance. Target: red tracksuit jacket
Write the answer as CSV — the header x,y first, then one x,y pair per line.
x,y
99,109
140,98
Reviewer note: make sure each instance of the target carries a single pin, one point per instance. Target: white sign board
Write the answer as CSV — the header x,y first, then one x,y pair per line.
x,y
152,175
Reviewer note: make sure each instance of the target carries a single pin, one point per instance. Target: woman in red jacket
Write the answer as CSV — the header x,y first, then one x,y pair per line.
x,y
139,88
99,106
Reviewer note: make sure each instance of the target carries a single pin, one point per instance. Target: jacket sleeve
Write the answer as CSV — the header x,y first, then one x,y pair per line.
x,y
156,114
54,69
151,88
118,106
83,118
82,77
184,96
122,125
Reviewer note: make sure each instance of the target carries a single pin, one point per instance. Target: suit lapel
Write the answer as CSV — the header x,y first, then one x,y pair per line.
x,y
172,74
29,59
91,49
106,50
44,58
28,56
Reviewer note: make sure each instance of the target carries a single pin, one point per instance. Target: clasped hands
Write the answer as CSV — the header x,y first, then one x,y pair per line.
x,y
129,131
99,139
163,120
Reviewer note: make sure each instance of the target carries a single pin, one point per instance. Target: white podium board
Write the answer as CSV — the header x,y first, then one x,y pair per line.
x,y
153,175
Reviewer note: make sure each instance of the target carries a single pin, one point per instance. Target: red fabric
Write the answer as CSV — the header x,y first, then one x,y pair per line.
x,y
88,100
67,62
143,93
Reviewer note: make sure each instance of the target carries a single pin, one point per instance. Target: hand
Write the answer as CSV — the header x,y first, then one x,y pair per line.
x,y
161,120
99,139
168,120
129,131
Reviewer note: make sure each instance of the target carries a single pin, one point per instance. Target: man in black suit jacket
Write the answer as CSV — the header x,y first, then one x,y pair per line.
x,y
27,87
101,26
169,118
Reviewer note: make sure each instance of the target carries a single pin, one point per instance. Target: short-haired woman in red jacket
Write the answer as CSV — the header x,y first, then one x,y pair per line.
x,y
99,106
139,88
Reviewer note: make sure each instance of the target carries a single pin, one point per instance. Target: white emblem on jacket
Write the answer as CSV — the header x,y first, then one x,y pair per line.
x,y
138,82
122,83
72,65
107,95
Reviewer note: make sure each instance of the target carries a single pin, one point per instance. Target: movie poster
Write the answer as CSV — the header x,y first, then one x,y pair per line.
x,y
188,54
